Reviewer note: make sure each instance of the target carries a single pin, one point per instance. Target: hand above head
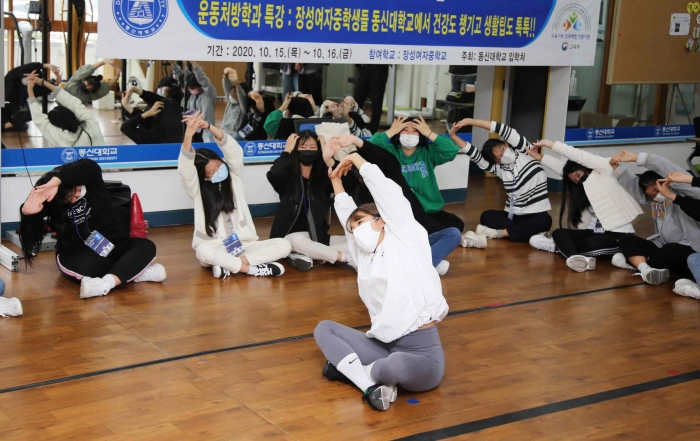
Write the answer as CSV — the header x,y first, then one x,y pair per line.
x,y
464,123
34,203
49,189
544,143
680,177
421,126
534,152
347,140
624,156
664,186
286,102
154,110
194,123
397,126
291,143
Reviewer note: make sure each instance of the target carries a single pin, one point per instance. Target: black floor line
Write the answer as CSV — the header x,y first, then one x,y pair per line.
x,y
547,409
280,340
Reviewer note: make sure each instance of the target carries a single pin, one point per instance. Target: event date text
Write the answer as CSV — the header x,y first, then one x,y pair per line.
x,y
267,52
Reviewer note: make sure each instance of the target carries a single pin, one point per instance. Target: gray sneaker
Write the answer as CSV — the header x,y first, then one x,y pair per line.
x,y
380,397
300,261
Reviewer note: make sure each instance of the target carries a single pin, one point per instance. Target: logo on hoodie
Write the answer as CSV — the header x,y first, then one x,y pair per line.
x,y
140,18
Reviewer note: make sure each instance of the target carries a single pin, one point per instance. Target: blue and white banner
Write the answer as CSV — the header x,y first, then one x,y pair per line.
x,y
484,32
629,135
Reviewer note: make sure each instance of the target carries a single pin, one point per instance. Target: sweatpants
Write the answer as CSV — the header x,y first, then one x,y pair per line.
x,y
447,220
415,361
521,228
129,258
213,253
443,243
586,242
302,243
672,256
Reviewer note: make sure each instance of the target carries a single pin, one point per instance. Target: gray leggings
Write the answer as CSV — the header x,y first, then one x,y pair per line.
x,y
415,361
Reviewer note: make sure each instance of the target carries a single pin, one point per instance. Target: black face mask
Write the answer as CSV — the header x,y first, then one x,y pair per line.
x,y
583,179
308,157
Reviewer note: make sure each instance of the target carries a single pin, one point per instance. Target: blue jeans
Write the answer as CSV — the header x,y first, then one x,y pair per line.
x,y
443,242
290,83
2,287
694,265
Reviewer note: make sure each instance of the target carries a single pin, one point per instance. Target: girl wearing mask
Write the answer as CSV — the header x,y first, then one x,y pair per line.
x,y
593,202
70,124
400,288
93,245
224,234
678,235
88,87
407,139
526,212
300,177
256,110
202,94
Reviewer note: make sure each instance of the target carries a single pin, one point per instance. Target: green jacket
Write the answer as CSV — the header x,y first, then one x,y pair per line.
x,y
419,168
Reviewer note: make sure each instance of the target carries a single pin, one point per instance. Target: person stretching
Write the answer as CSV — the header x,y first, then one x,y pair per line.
x,y
400,288
224,234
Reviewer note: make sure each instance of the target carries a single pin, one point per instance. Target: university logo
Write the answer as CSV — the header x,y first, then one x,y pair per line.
x,y
69,155
657,131
590,134
572,17
250,149
140,18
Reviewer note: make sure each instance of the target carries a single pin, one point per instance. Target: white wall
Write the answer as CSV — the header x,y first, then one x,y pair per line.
x,y
160,190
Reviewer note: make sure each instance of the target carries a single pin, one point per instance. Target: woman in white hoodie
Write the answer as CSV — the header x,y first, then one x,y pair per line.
x,y
593,200
224,234
399,286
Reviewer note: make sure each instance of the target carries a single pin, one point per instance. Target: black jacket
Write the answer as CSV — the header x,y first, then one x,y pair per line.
x,y
164,128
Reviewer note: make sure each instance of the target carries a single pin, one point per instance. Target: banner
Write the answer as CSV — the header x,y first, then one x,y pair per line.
x,y
475,32
629,135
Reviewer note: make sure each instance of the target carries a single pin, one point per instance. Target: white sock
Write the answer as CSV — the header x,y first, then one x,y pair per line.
x,y
351,367
253,270
368,370
109,280
643,267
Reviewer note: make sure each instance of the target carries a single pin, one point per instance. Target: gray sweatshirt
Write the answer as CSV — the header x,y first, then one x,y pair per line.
x,y
205,102
674,226
73,85
233,116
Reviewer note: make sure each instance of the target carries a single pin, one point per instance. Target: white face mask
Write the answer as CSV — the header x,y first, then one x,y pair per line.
x,y
83,191
508,156
409,141
660,198
366,238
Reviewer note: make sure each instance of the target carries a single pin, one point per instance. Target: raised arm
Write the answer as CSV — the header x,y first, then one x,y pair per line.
x,y
280,174
442,149
510,135
630,182
203,80
579,156
71,103
232,150
471,151
185,162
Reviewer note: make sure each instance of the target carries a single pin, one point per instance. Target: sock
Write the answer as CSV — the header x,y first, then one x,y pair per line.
x,y
499,234
368,370
109,280
345,257
351,367
253,271
643,267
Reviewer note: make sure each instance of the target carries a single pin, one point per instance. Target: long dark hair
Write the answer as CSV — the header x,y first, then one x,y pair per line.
x,y
215,197
300,106
319,169
65,119
33,228
573,198
487,149
95,81
422,140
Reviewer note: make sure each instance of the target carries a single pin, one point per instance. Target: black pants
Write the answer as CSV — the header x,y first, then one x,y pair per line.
x,y
371,82
521,228
312,84
672,256
129,258
586,242
447,220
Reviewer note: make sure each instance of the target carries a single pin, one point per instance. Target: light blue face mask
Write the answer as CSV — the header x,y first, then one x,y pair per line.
x,y
220,175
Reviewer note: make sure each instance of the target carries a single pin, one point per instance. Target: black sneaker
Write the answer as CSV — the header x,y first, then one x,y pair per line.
x,y
270,269
330,373
300,261
380,397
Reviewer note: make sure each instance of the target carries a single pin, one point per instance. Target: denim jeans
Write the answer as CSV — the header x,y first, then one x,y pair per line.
x,y
2,287
443,242
290,83
694,265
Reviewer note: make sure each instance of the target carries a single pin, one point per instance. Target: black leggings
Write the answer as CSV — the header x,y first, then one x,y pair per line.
x,y
129,258
447,220
672,256
521,228
586,242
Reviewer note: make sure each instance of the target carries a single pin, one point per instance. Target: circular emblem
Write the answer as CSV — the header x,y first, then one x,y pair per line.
x,y
590,134
69,155
140,18
250,149
657,131
564,46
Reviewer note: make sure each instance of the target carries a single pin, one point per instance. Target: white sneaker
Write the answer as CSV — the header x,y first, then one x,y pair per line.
x,y
581,264
299,261
543,243
654,276
154,273
442,267
473,240
687,288
620,261
218,272
10,307
490,233
93,287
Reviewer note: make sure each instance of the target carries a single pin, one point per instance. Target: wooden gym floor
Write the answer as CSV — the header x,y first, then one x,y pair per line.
x,y
534,351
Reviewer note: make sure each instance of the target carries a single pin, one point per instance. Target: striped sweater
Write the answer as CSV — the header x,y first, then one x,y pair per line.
x,y
525,181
